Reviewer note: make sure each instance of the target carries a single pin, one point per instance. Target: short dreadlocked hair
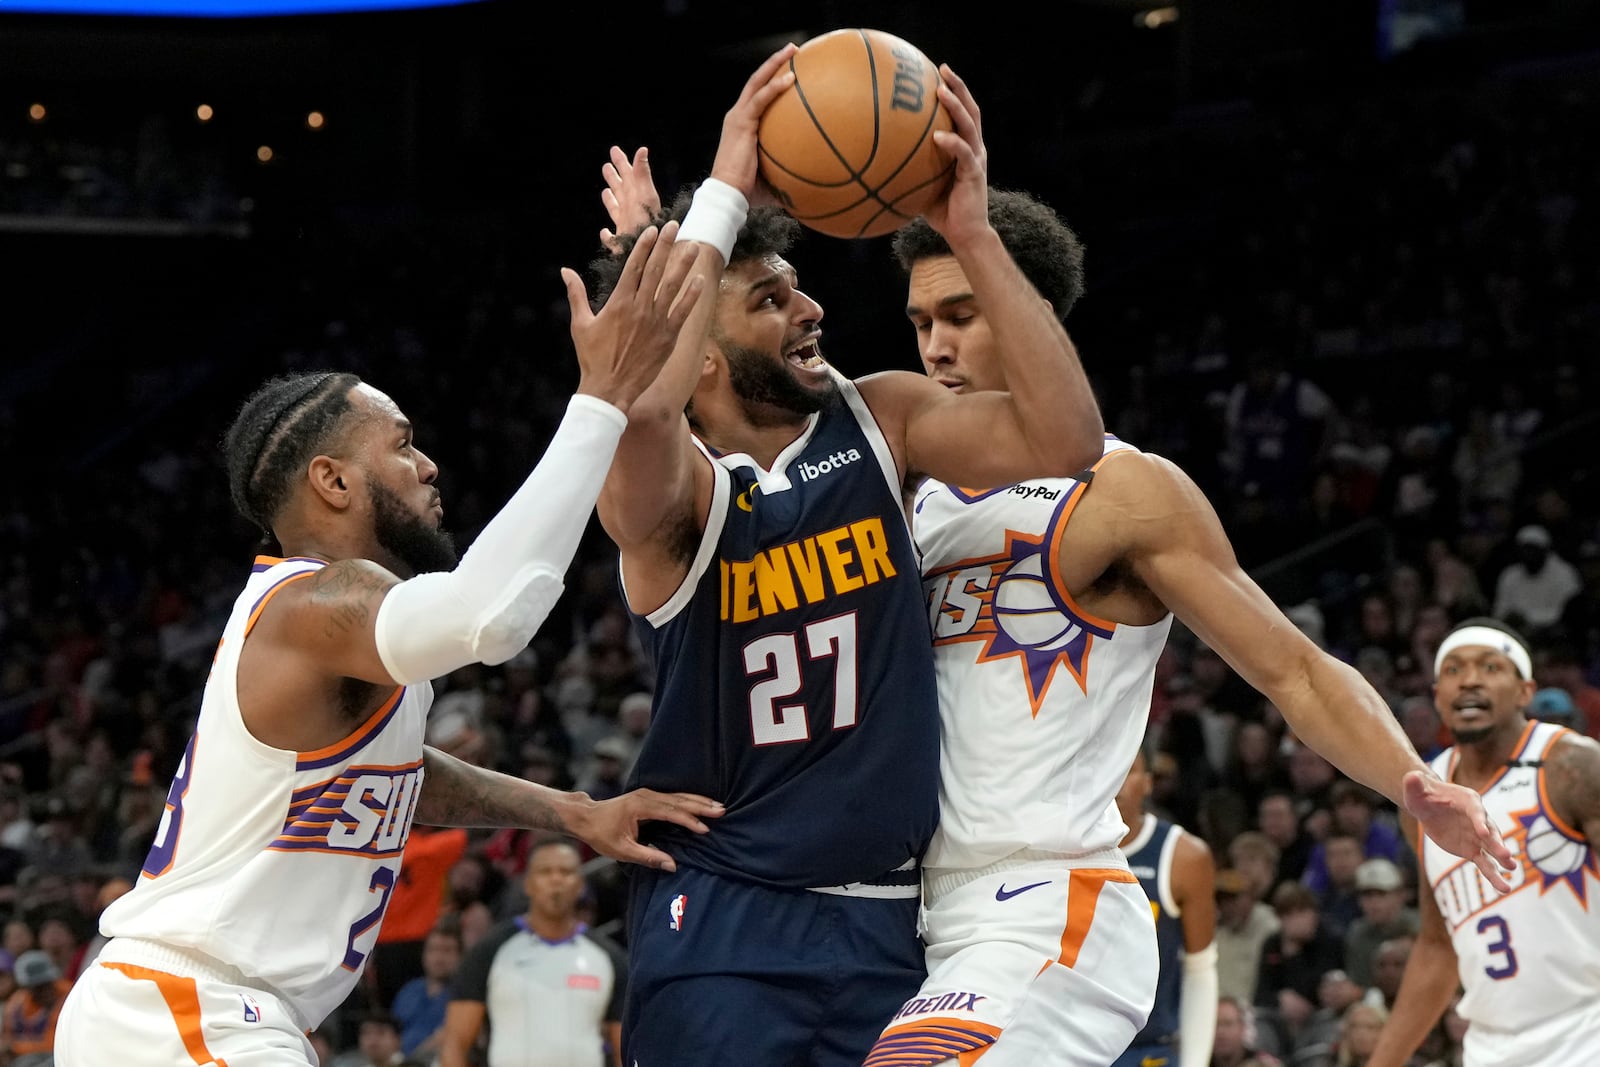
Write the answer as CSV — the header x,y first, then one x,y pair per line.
x,y
766,231
285,422
1043,245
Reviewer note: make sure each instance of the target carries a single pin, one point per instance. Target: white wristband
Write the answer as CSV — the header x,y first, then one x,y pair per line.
x,y
715,216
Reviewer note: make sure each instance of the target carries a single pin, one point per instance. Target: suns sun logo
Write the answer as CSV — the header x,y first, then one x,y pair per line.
x,y
1554,854
1011,603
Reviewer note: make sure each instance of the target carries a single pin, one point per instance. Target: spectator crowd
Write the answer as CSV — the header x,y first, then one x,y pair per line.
x,y
1374,349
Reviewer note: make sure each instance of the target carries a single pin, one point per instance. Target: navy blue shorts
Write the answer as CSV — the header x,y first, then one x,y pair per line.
x,y
724,972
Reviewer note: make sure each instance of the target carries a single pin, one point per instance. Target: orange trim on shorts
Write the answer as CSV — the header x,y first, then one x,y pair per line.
x,y
183,1001
1083,894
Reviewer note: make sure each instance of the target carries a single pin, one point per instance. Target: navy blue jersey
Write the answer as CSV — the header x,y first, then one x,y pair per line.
x,y
1150,857
794,668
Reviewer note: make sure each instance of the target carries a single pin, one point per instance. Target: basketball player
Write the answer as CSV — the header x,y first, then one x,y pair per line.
x,y
264,889
1051,599
1176,872
1528,960
765,554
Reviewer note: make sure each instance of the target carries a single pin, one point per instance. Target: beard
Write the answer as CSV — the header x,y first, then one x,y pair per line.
x,y
761,383
1472,736
408,537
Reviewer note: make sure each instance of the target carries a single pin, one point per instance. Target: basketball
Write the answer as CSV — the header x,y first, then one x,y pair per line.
x,y
849,147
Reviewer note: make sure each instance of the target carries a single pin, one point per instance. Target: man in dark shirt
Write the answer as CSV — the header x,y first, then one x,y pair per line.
x,y
1294,959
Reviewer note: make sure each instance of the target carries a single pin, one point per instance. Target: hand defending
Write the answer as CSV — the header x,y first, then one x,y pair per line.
x,y
1454,817
611,827
622,349
964,210
630,196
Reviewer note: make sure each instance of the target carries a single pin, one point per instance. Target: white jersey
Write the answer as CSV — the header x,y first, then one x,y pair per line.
x,y
1533,954
1042,705
279,863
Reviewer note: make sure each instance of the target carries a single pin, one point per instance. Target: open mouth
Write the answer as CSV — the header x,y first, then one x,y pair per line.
x,y
806,356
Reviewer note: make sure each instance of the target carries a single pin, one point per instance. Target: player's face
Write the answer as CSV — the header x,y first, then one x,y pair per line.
x,y
953,337
554,882
1478,691
407,513
768,332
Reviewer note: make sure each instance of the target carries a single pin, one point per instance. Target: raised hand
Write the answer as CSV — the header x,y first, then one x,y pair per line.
x,y
611,827
737,155
1454,817
623,347
630,196
963,210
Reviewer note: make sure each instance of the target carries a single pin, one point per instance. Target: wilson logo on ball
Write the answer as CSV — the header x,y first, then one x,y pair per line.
x,y
848,148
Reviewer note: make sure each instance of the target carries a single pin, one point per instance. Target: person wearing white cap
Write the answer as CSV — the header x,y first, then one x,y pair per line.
x,y
1384,914
1534,589
1528,960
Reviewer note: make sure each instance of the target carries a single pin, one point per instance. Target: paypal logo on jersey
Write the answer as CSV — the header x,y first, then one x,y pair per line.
x,y
675,910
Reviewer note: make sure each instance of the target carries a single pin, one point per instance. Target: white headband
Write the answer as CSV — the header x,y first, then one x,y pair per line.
x,y
1488,637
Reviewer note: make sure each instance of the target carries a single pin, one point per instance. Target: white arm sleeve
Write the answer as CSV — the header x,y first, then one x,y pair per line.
x,y
491,605
1197,1007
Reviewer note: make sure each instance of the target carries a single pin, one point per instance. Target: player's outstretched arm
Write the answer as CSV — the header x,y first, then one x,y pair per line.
x,y
457,793
1194,885
1050,417
354,619
1429,981
1177,547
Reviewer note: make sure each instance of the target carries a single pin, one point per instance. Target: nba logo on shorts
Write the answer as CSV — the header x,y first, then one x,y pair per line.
x,y
252,1010
675,910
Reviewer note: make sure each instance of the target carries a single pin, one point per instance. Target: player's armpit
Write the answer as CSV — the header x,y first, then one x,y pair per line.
x,y
327,621
1572,776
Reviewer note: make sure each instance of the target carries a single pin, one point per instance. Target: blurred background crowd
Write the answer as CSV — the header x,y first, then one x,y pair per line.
x,y
1345,275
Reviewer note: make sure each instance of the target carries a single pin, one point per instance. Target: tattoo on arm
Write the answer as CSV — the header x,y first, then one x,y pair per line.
x,y
1574,783
345,593
457,793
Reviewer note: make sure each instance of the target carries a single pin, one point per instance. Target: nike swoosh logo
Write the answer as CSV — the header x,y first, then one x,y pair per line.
x,y
1006,894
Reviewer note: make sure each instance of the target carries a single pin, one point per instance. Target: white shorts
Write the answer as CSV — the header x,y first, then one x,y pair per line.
x,y
1568,1038
133,1015
1034,962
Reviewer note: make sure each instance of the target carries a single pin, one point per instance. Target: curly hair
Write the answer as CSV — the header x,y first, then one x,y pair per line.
x,y
1043,245
279,427
767,231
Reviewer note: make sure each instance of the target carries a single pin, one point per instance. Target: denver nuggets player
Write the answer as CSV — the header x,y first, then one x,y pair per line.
x,y
765,551
267,881
1177,874
1527,961
1051,599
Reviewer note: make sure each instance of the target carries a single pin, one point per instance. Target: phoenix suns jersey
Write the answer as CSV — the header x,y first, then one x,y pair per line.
x,y
1042,706
794,677
1532,954
1150,858
279,863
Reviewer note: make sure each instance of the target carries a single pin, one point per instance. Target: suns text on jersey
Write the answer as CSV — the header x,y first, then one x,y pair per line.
x,y
365,811
806,571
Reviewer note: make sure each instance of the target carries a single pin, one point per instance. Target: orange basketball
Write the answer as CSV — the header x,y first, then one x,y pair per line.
x,y
849,146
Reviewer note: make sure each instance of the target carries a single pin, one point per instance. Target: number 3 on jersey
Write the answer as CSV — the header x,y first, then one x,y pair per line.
x,y
1496,927
159,860
775,661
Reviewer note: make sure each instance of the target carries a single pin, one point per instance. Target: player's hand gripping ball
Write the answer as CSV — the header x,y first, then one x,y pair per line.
x,y
849,147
